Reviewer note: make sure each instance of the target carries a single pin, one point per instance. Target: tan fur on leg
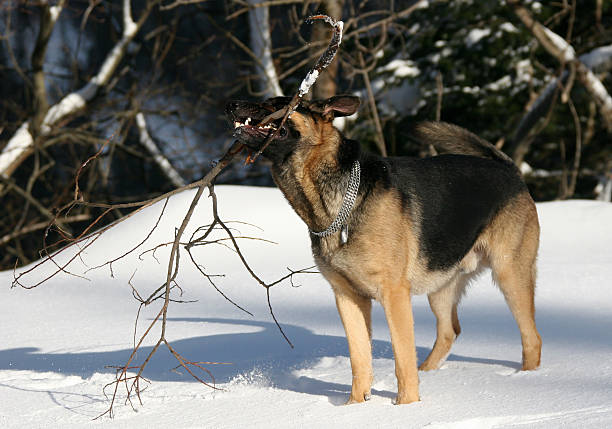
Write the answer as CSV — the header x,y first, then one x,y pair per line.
x,y
515,234
355,312
398,309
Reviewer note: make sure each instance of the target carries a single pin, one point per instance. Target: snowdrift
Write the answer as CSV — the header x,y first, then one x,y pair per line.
x,y
59,338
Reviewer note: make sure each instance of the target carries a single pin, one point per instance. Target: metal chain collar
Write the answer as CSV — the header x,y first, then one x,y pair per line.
x,y
347,206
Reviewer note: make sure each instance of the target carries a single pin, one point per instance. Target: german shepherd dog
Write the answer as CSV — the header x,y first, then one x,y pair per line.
x,y
388,228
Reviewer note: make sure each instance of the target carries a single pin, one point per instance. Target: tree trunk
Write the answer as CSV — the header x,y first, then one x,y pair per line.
x,y
261,45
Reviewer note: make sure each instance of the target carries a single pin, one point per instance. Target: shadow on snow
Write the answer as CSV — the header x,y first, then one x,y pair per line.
x,y
255,355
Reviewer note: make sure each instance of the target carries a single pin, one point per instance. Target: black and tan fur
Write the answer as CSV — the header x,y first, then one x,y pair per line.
x,y
419,226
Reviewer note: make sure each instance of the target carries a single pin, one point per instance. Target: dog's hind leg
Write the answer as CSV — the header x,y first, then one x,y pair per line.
x,y
444,304
518,287
513,261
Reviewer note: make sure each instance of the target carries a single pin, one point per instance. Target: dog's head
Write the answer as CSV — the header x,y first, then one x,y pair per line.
x,y
310,124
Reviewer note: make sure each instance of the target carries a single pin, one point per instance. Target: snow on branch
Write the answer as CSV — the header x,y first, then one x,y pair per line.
x,y
75,101
21,145
598,91
598,60
327,56
324,60
566,54
161,161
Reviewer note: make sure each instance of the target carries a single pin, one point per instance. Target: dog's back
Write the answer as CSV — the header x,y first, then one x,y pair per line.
x,y
456,197
456,194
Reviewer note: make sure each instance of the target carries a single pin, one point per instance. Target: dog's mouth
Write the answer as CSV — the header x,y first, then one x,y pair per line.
x,y
254,124
252,128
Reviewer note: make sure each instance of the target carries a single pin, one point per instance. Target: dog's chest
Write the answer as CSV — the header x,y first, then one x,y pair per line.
x,y
364,275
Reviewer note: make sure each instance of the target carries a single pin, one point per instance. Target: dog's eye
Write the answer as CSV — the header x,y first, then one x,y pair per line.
x,y
283,132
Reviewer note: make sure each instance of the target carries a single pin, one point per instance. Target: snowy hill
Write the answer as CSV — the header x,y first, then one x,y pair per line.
x,y
58,339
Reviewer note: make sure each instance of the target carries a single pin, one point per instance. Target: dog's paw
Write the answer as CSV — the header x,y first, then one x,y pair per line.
x,y
402,399
429,366
358,398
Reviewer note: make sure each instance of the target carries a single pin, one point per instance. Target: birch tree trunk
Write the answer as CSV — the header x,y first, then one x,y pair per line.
x,y
261,45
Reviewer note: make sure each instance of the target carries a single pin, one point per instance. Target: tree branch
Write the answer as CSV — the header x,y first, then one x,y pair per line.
x,y
565,53
21,145
162,162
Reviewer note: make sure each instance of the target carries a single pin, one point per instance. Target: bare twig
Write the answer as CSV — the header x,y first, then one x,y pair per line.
x,y
440,91
178,3
380,138
41,225
110,263
261,4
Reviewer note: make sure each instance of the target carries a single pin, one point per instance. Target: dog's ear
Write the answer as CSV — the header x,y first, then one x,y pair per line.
x,y
338,105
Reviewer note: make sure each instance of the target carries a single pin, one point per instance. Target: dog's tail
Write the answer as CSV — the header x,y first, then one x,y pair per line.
x,y
448,138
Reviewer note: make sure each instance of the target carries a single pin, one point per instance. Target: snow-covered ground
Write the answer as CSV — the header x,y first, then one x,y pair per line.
x,y
58,339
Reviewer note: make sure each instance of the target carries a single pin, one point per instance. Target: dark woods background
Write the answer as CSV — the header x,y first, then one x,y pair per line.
x,y
158,120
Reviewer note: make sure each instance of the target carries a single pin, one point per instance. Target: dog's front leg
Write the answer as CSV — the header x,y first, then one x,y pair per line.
x,y
398,309
355,312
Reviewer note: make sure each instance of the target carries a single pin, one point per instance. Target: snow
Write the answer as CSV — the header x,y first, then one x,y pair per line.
x,y
401,68
68,105
524,71
15,148
423,4
129,26
598,58
508,27
536,7
340,26
598,90
55,11
475,35
500,84
567,50
308,81
58,338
